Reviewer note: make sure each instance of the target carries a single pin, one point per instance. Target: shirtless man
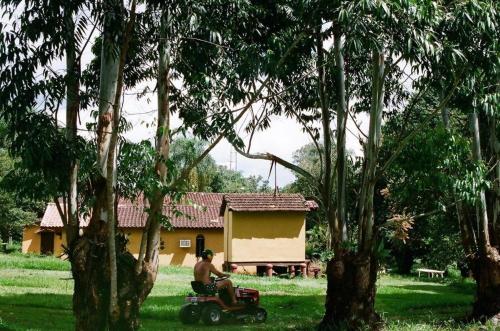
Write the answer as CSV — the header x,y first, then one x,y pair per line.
x,y
204,268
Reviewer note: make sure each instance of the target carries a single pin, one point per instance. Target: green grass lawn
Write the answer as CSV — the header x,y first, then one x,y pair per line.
x,y
35,294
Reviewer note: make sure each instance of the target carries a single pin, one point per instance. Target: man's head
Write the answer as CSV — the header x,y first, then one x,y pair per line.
x,y
207,255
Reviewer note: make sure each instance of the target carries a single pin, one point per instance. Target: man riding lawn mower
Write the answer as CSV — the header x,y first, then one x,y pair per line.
x,y
216,299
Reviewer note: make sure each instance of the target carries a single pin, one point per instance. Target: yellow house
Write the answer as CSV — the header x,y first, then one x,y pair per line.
x,y
198,227
264,231
247,230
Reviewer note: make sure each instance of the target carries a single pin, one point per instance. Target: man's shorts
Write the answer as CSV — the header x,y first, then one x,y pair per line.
x,y
212,287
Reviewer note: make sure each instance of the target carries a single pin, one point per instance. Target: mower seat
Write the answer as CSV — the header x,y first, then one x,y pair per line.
x,y
200,288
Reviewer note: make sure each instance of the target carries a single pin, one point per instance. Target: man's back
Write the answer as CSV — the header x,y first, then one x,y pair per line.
x,y
202,272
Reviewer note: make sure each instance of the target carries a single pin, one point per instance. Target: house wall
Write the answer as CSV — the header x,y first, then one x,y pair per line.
x,y
228,220
265,236
31,240
172,254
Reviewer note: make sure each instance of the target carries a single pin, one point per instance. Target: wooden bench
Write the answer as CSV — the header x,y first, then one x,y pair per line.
x,y
431,272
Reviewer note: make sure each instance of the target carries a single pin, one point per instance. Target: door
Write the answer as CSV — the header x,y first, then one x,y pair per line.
x,y
200,244
47,243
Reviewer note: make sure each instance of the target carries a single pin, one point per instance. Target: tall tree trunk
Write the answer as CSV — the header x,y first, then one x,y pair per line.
x,y
341,131
351,276
486,263
151,235
136,277
481,209
464,222
123,311
494,147
326,190
371,153
73,69
90,257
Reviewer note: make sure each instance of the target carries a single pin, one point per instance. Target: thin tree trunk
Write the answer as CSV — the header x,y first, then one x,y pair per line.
x,y
162,141
466,230
351,276
341,130
445,111
486,263
481,209
326,191
94,294
146,267
114,309
494,146
73,69
371,154
108,107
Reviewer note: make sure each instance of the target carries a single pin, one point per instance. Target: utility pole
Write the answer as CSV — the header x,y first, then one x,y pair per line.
x,y
233,160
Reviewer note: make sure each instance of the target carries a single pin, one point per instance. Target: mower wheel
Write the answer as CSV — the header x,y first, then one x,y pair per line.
x,y
211,314
260,315
189,314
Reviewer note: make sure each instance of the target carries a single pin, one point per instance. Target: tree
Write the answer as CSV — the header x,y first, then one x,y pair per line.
x,y
472,27
420,188
190,47
182,152
12,217
361,72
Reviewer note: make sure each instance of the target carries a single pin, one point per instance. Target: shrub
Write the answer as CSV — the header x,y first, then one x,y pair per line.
x,y
13,248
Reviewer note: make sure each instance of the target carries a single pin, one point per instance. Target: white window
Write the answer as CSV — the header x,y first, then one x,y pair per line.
x,y
185,243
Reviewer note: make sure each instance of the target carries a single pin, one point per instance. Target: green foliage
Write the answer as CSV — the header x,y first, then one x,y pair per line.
x,y
421,180
12,248
308,158
183,152
233,181
440,243
4,326
472,182
15,212
136,171
316,243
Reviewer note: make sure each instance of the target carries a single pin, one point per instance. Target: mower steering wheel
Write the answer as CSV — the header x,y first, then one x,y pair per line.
x,y
221,278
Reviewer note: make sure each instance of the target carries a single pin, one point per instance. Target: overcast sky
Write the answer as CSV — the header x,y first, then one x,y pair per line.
x,y
282,138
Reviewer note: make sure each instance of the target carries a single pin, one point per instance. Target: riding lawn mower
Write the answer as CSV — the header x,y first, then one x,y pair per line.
x,y
213,307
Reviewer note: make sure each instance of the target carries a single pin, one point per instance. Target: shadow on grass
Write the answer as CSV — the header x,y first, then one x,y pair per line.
x,y
54,312
426,303
413,303
284,313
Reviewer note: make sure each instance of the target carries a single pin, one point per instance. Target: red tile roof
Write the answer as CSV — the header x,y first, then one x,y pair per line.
x,y
198,210
264,202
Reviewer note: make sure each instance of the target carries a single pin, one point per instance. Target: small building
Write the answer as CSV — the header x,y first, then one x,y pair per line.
x,y
250,230
264,230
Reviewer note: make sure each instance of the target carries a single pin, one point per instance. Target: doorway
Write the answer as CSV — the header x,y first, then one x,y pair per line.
x,y
47,243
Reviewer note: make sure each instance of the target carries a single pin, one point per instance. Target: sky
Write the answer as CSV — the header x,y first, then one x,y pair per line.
x,y
283,137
